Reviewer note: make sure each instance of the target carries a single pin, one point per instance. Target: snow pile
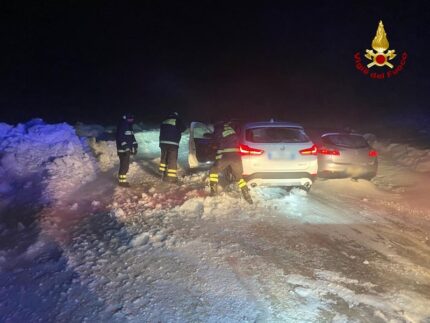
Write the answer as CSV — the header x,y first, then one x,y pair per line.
x,y
68,173
417,159
52,152
105,152
89,130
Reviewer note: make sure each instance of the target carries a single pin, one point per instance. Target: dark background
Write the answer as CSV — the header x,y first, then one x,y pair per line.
x,y
91,61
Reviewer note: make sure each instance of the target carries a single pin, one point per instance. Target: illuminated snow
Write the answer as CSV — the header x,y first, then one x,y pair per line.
x,y
346,251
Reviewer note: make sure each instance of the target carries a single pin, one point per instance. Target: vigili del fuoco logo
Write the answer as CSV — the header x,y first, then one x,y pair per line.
x,y
380,61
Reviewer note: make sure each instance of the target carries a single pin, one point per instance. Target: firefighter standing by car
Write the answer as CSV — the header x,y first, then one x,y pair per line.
x,y
170,136
126,145
228,156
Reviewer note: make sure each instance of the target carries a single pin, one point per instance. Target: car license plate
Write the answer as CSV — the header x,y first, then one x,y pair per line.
x,y
354,170
285,155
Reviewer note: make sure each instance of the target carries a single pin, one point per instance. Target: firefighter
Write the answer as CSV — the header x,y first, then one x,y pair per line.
x,y
126,145
170,136
228,156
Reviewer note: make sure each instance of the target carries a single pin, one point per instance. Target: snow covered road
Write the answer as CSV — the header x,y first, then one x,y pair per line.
x,y
345,252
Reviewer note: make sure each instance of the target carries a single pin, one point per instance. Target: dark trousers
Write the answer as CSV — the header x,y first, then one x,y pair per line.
x,y
124,163
231,160
168,161
228,160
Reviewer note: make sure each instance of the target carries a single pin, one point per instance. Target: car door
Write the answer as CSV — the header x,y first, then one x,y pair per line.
x,y
201,145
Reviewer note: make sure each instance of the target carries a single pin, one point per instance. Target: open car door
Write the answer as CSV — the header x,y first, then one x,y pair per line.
x,y
201,145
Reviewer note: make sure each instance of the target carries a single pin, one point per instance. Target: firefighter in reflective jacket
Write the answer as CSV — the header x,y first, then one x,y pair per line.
x,y
228,156
170,136
126,145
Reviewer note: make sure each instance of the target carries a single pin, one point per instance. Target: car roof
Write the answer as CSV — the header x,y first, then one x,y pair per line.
x,y
272,124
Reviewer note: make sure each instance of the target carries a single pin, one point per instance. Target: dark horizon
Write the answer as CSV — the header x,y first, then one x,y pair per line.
x,y
93,62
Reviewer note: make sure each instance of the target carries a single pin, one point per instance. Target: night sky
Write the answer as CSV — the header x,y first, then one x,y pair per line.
x,y
91,61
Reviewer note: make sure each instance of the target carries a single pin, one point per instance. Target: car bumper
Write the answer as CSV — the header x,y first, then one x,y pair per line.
x,y
280,179
346,170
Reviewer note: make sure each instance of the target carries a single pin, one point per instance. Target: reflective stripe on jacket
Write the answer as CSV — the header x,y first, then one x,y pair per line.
x,y
227,139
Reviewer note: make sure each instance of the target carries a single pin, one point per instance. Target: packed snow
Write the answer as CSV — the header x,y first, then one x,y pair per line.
x,y
52,154
77,248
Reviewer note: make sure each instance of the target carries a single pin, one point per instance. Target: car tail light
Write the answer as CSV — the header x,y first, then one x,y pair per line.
x,y
246,150
309,151
326,151
373,153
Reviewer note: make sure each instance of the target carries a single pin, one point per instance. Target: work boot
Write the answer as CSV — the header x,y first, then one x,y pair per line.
x,y
214,189
122,180
246,195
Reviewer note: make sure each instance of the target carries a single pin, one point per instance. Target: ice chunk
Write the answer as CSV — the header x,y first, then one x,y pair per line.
x,y
192,207
140,240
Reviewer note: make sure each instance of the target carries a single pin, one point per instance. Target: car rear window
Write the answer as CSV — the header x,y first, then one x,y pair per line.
x,y
275,135
348,141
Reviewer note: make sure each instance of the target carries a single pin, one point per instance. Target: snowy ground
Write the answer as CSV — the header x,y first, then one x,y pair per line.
x,y
74,247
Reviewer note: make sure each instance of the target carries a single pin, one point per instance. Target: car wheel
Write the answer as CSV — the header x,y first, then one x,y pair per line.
x,y
305,188
369,177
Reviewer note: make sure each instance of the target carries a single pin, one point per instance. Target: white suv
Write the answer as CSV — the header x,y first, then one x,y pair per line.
x,y
273,153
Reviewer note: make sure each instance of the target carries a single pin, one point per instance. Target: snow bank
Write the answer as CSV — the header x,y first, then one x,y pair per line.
x,y
51,153
89,130
414,158
105,152
417,159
